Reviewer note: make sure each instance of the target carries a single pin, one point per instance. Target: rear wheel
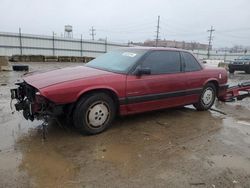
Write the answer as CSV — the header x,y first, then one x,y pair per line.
x,y
207,98
94,113
231,71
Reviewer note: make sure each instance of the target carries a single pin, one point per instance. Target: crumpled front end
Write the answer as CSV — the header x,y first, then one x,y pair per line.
x,y
32,103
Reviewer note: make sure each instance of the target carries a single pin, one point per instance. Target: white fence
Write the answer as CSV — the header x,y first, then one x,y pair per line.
x,y
26,44
218,55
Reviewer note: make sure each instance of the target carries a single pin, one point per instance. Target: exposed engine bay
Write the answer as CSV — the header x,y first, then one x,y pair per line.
x,y
32,103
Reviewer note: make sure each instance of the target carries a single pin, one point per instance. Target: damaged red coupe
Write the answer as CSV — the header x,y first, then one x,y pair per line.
x,y
121,82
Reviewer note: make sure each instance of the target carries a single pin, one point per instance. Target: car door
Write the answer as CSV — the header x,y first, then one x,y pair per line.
x,y
195,77
164,87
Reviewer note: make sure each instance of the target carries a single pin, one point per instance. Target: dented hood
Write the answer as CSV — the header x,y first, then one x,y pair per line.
x,y
44,79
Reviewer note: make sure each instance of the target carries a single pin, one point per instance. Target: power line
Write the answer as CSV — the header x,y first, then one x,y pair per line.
x,y
92,33
157,31
210,38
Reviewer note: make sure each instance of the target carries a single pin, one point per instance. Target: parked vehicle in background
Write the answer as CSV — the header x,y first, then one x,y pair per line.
x,y
240,64
122,82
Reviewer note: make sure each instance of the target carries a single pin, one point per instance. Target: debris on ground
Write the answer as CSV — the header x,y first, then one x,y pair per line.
x,y
201,183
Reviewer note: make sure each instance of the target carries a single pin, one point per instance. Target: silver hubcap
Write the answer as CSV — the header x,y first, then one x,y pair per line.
x,y
97,114
207,97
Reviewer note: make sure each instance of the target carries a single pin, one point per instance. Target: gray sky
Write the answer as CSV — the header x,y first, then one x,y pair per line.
x,y
134,20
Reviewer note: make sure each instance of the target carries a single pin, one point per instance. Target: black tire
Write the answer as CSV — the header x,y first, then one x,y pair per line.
x,y
20,67
206,102
231,71
94,113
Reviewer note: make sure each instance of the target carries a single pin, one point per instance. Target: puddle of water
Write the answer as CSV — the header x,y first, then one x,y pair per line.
x,y
124,156
116,153
45,165
44,161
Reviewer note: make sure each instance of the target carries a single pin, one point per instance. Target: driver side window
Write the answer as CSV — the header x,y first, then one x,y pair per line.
x,y
163,62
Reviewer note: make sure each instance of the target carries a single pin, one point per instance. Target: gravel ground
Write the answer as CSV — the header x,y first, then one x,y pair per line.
x,y
167,148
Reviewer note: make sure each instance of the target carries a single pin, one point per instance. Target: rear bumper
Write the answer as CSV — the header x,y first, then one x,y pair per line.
x,y
222,90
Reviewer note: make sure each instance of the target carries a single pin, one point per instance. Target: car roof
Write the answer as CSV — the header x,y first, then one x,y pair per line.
x,y
155,48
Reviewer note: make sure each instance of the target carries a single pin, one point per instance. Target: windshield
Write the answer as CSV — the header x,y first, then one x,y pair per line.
x,y
247,57
117,61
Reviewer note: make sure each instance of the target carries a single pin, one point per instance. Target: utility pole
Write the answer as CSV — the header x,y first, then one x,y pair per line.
x,y
210,38
53,43
157,31
20,41
106,44
81,45
92,33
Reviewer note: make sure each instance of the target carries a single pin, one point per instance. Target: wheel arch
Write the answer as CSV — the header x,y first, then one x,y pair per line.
x,y
215,83
113,94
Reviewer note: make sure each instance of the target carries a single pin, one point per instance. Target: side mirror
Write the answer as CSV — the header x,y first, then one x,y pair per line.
x,y
143,71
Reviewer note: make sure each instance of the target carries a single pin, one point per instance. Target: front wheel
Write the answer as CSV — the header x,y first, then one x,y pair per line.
x,y
207,98
94,113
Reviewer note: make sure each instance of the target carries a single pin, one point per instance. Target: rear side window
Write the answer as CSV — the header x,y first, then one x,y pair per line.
x,y
163,62
191,63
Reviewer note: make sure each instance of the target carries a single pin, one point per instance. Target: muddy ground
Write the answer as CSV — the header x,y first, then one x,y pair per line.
x,y
167,148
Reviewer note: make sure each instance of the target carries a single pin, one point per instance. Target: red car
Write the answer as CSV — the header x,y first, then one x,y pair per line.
x,y
124,81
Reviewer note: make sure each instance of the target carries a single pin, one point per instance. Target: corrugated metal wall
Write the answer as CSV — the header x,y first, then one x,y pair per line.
x,y
218,55
26,44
